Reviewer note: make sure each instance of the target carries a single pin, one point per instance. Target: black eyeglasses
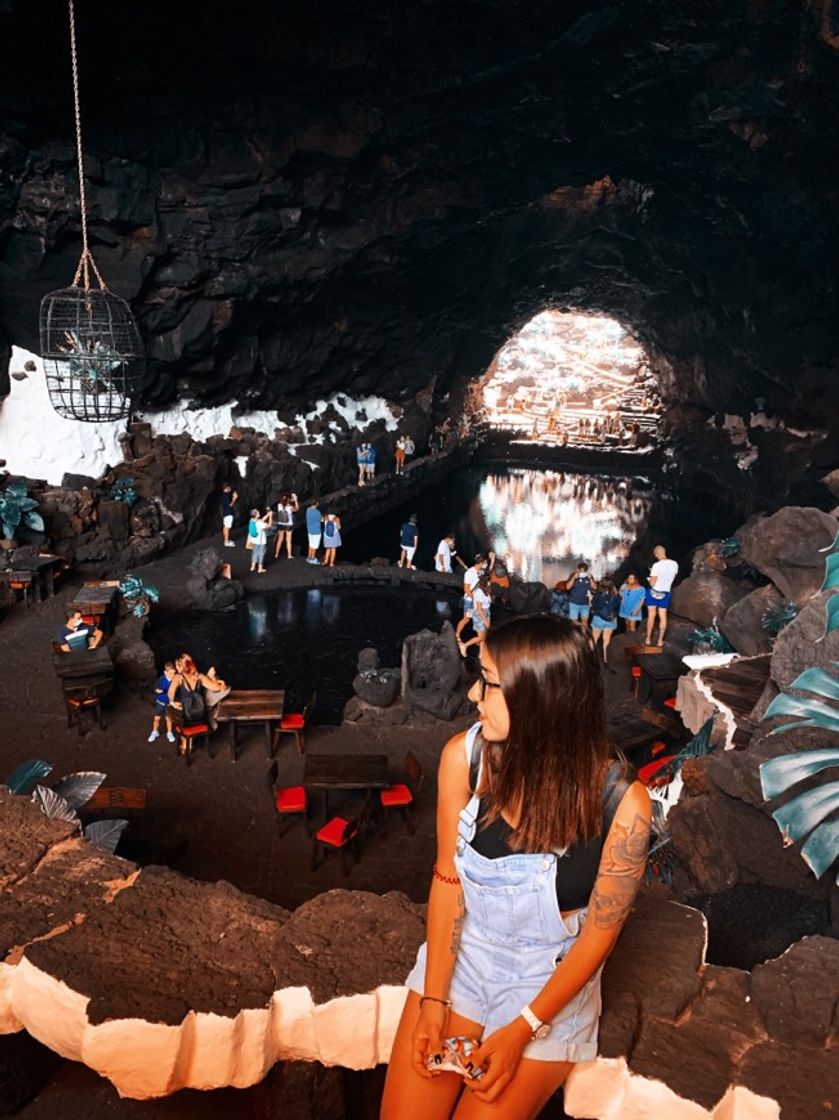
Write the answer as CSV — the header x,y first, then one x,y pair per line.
x,y
484,684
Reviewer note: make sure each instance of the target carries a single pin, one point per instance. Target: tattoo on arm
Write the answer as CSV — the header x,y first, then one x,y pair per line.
x,y
458,923
621,870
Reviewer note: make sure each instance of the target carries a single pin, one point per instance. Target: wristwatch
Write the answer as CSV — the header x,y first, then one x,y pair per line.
x,y
537,1027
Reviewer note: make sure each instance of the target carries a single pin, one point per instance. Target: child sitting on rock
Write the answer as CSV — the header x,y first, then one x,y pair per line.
x,y
161,703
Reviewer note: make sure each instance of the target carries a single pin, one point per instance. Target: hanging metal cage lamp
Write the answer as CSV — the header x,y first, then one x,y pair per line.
x,y
93,356
91,347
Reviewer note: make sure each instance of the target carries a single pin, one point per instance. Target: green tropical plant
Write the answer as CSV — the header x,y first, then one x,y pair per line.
x,y
698,746
91,362
710,636
138,595
123,491
774,619
15,507
729,547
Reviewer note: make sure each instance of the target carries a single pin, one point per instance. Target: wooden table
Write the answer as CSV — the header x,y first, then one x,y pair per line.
x,y
257,705
118,797
38,572
328,772
631,733
83,663
659,674
97,601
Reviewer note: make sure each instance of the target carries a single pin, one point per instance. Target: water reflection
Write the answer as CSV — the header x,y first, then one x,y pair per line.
x,y
543,522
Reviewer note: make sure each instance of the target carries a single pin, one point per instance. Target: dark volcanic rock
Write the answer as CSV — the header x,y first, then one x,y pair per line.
x,y
741,623
803,1081
785,548
378,687
796,994
802,644
704,597
25,1068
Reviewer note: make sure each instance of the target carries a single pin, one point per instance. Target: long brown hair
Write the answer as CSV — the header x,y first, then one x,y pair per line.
x,y
552,768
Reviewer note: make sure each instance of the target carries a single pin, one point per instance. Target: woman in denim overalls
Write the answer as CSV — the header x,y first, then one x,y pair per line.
x,y
506,962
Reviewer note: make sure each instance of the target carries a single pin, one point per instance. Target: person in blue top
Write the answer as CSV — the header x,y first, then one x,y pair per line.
x,y
77,634
314,521
632,601
371,462
361,460
605,604
408,541
579,588
161,703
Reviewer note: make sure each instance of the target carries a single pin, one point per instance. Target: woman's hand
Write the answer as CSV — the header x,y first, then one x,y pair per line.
x,y
428,1035
499,1055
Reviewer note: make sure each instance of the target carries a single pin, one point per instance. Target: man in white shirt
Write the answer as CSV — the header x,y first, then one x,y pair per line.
x,y
445,554
660,580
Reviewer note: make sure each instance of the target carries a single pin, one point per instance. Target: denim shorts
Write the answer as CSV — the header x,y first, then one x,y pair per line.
x,y
598,623
578,610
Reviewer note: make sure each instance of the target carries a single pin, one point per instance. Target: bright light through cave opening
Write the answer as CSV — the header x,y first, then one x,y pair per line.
x,y
570,378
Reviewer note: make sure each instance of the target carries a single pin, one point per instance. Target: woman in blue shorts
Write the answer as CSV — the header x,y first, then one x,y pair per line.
x,y
517,936
632,601
604,620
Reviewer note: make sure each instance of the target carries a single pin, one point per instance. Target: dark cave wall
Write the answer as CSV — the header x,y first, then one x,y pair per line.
x,y
324,197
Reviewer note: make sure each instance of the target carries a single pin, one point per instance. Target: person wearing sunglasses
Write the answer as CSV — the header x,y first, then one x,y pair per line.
x,y
542,839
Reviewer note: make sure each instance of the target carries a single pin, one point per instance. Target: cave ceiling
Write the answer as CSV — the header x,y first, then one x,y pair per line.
x,y
321,196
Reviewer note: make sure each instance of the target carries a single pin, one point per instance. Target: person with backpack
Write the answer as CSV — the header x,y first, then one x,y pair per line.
x,y
579,588
191,695
605,604
258,537
314,521
542,841
286,509
331,538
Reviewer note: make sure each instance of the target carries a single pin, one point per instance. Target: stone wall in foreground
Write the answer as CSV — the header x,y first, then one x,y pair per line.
x,y
159,983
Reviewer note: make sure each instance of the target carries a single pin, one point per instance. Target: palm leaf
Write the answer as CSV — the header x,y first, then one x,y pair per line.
x,y
53,806
105,834
832,611
801,814
25,776
822,848
77,789
780,774
815,713
818,681
831,572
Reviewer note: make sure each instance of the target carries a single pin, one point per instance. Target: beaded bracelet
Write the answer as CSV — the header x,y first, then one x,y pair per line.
x,y
435,999
452,881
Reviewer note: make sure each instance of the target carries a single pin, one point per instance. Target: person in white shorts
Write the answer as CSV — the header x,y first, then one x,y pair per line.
x,y
229,497
660,580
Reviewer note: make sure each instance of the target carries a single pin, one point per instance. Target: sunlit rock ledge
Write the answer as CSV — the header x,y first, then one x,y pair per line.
x,y
159,982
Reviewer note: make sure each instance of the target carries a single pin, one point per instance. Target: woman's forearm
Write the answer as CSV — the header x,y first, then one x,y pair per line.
x,y
446,913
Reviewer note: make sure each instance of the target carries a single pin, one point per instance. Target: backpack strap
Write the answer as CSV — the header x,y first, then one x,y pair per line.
x,y
474,754
618,781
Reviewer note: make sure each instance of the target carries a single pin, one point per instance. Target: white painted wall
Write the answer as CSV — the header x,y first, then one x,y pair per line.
x,y
38,443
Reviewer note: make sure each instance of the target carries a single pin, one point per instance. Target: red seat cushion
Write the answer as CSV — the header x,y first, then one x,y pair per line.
x,y
292,722
195,729
671,703
333,832
292,799
83,703
647,774
636,671
396,796
658,746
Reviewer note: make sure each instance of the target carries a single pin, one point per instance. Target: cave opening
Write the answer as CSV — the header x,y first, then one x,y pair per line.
x,y
572,379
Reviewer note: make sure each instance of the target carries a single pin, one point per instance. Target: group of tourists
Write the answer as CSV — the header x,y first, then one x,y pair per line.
x,y
405,448
365,458
185,697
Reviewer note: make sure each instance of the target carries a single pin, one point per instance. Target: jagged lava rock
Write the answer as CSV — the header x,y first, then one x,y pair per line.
x,y
705,597
741,623
802,644
785,548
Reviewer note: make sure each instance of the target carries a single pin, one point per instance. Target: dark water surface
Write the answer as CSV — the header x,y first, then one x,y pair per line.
x,y
304,640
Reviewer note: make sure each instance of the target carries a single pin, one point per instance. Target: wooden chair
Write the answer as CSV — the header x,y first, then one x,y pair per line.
x,y
340,834
20,587
85,698
289,801
193,733
402,796
294,724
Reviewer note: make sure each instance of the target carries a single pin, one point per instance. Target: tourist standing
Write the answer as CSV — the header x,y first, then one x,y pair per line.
x,y
446,552
479,616
258,534
660,580
286,509
579,588
331,538
400,455
517,937
161,704
410,448
229,498
371,462
361,460
632,601
408,541
435,442
314,520
605,604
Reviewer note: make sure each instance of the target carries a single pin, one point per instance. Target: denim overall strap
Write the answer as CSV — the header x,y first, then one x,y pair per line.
x,y
468,822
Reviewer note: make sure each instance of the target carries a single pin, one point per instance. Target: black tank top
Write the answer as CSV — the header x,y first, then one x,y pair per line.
x,y
576,871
